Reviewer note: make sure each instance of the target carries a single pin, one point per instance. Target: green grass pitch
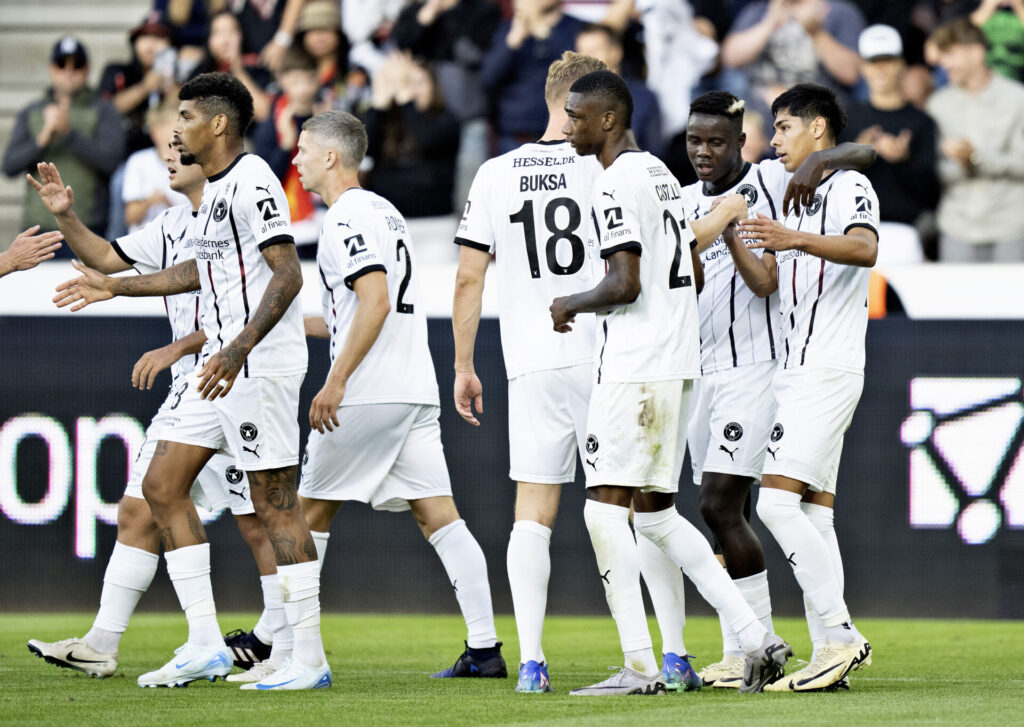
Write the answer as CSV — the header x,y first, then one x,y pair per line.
x,y
924,672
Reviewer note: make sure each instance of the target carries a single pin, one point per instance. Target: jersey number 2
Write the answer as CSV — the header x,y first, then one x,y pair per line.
x,y
525,217
675,280
402,306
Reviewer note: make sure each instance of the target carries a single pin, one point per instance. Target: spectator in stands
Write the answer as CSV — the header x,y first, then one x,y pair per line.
x,y
367,25
454,36
980,116
145,81
74,128
904,175
603,43
413,140
784,42
276,139
267,27
319,34
145,188
224,53
1002,22
515,68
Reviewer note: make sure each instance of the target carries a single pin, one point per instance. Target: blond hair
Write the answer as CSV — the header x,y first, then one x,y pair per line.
x,y
565,71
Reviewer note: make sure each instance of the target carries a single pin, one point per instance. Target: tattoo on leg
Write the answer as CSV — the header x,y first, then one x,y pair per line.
x,y
280,490
167,538
195,525
161,449
286,551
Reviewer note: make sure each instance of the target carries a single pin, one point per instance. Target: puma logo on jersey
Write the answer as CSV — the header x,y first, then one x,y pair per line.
x,y
731,457
239,493
593,463
252,451
609,194
265,189
773,452
345,224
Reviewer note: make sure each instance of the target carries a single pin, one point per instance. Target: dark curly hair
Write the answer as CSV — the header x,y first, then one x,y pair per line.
x,y
220,93
719,103
809,101
612,91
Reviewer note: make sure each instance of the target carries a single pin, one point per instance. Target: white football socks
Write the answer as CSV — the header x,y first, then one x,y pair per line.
x,y
320,543
619,568
730,642
807,552
823,520
128,575
529,568
466,567
754,590
275,620
685,545
665,585
300,594
189,570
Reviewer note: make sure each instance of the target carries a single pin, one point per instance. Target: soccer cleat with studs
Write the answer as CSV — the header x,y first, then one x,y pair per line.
x,y
475,663
75,654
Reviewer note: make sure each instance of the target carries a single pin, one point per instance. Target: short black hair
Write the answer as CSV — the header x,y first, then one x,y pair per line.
x,y
610,88
809,101
719,103
220,93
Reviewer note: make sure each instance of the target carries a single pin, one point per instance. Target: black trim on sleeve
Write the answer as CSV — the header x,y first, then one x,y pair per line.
x,y
631,246
475,245
376,268
277,240
222,173
124,256
865,225
768,251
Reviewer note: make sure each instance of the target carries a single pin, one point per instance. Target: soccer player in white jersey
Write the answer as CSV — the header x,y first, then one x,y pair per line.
x,y
133,563
734,409
824,255
377,438
243,397
530,209
648,356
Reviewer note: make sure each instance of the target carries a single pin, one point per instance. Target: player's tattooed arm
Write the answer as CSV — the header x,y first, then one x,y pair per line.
x,y
153,362
619,287
218,374
802,186
94,286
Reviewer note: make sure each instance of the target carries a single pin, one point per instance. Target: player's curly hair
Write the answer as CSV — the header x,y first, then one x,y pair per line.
x,y
720,103
611,89
220,93
809,101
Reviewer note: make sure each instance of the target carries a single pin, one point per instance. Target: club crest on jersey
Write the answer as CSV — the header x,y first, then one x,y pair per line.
x,y
613,217
267,208
733,431
814,206
220,210
233,475
248,431
355,245
749,192
592,444
777,432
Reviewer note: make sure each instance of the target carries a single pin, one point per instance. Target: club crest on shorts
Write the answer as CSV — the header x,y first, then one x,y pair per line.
x,y
592,444
248,431
777,432
233,475
220,210
732,431
749,193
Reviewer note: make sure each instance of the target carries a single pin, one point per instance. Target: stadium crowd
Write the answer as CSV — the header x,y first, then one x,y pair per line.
x,y
442,85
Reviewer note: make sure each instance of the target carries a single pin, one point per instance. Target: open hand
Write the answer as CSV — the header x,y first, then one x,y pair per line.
x,y
91,287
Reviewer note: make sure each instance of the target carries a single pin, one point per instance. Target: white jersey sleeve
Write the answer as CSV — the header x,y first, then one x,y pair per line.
x,y
260,210
855,205
353,248
145,249
616,219
475,227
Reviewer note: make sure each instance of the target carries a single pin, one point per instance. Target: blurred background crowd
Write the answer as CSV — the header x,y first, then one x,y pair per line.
x,y
935,86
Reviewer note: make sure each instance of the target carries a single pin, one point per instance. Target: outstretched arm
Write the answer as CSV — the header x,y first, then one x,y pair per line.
x,y
218,374
620,286
94,286
28,250
469,291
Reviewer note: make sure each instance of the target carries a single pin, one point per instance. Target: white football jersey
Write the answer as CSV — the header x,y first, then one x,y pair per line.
x,y
244,210
530,209
362,233
736,327
161,244
824,305
638,206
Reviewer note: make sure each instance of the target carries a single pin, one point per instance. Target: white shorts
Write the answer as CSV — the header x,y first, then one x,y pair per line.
x,y
381,454
733,413
813,410
257,422
636,434
547,419
219,485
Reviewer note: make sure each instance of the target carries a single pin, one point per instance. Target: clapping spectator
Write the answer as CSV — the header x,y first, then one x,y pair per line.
x,y
780,43
516,68
413,140
145,81
224,53
145,188
980,116
602,43
74,128
276,139
904,175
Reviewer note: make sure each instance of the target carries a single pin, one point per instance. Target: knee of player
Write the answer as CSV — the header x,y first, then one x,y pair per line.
x,y
251,530
134,519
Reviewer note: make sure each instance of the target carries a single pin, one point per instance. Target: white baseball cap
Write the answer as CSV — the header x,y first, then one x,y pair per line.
x,y
880,41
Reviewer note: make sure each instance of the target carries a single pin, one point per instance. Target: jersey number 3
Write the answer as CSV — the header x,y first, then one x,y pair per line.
x,y
525,217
